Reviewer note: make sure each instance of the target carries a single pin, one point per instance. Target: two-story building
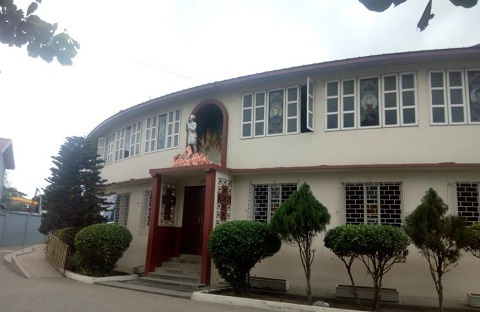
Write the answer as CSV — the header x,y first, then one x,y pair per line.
x,y
370,135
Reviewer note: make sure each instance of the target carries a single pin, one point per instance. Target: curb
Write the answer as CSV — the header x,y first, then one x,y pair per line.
x,y
12,262
204,296
93,280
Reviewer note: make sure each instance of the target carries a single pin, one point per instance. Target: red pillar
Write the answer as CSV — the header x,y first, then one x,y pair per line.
x,y
153,229
210,179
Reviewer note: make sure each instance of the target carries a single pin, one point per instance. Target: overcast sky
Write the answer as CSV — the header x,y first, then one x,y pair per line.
x,y
149,48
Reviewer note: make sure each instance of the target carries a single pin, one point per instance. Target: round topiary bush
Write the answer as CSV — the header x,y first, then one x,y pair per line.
x,y
99,246
236,246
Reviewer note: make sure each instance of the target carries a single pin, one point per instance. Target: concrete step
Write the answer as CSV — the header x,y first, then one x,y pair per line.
x,y
194,259
176,277
169,284
178,271
182,266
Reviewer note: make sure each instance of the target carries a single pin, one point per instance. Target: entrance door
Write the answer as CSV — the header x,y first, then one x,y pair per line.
x,y
192,224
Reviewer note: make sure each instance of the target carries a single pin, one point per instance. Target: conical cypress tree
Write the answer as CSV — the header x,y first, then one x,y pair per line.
x,y
73,196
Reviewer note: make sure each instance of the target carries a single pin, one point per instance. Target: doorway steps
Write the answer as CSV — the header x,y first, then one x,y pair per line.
x,y
178,277
179,273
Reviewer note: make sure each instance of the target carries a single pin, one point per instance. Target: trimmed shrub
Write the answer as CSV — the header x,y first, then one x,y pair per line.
x,y
298,220
473,240
378,247
236,246
100,246
67,236
438,236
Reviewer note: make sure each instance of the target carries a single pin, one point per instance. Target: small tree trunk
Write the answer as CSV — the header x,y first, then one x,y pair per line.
x,y
440,293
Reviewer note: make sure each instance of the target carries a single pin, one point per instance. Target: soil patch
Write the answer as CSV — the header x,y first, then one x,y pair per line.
x,y
334,302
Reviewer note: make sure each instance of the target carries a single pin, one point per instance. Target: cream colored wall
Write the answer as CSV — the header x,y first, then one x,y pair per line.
x,y
392,145
412,278
136,253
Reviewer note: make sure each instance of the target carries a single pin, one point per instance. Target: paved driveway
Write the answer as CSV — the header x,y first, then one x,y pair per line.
x,y
60,294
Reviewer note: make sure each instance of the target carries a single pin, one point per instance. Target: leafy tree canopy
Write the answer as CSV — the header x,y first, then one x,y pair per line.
x,y
438,236
298,220
18,28
382,5
473,240
73,196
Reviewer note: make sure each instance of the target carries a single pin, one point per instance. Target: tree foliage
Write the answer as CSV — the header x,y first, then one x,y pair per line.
x,y
99,247
341,240
438,236
236,246
378,247
473,240
298,221
382,5
73,197
18,28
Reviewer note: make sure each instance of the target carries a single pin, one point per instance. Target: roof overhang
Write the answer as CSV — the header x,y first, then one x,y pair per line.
x,y
200,170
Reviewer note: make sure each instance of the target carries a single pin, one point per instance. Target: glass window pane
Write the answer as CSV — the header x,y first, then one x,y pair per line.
x,y
259,113
260,99
348,120
259,129
275,112
247,101
390,100
292,110
310,119
348,87
407,81
456,96
455,79
438,114
348,103
332,89
390,83
409,116
292,125
436,80
332,105
437,97
247,115
247,130
408,98
457,114
332,121
292,94
391,117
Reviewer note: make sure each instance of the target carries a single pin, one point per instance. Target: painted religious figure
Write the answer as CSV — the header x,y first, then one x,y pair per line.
x,y
474,95
369,114
192,134
275,112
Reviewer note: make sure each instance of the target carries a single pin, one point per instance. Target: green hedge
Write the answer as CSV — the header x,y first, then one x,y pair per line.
x,y
100,246
236,246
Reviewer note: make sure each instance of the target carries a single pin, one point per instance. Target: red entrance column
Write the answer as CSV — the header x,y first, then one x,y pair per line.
x,y
153,230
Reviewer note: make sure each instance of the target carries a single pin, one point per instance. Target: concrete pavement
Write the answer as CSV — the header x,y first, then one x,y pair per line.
x,y
49,291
